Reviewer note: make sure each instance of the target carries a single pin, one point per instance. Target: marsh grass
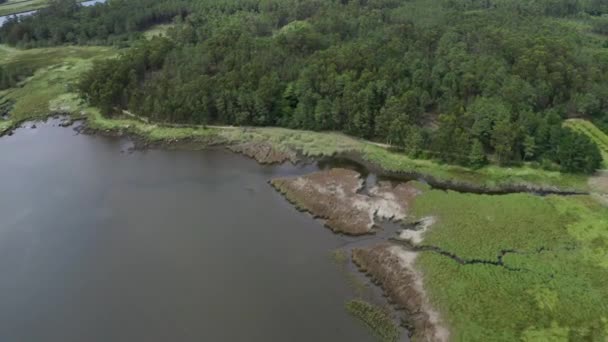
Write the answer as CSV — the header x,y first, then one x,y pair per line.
x,y
559,287
50,87
375,318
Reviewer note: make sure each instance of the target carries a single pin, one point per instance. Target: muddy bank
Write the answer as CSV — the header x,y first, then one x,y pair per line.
x,y
264,153
392,267
334,195
459,186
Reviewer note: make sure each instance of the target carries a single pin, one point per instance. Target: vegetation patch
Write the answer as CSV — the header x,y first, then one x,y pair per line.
x,y
50,87
589,129
159,30
18,6
555,275
374,317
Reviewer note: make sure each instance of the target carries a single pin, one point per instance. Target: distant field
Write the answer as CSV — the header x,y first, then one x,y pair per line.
x,y
590,130
50,86
18,6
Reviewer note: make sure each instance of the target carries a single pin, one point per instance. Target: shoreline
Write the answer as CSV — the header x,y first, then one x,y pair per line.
x,y
281,145
260,144
416,323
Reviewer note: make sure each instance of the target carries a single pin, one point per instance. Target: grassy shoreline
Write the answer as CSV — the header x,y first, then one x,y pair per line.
x,y
50,89
492,179
328,144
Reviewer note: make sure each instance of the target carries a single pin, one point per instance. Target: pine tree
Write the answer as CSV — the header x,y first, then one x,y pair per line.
x,y
477,157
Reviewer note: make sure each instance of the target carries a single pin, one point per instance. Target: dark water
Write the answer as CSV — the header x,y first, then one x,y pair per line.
x,y
98,244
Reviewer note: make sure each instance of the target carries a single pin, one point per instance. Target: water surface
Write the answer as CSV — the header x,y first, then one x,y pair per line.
x,y
100,244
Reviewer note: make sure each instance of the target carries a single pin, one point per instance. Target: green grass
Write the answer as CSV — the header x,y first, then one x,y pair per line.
x,y
559,291
318,144
153,132
5,125
375,318
18,6
589,129
315,144
490,177
51,86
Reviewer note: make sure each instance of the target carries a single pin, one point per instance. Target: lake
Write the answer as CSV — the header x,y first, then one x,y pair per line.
x,y
100,243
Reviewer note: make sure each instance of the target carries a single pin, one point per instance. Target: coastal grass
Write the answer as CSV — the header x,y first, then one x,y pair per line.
x,y
595,134
340,257
151,132
50,87
490,177
552,285
318,144
375,318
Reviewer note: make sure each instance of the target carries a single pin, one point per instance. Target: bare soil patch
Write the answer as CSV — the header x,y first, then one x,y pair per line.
x,y
334,196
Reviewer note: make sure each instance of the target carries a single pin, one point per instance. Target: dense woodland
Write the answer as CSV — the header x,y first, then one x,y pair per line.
x,y
462,81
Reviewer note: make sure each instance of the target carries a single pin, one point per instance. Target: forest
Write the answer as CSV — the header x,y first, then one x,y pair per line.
x,y
468,82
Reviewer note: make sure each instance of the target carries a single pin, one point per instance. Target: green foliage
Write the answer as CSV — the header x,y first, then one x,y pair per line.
x,y
375,318
492,75
477,157
65,21
577,152
496,77
555,287
54,73
590,130
8,7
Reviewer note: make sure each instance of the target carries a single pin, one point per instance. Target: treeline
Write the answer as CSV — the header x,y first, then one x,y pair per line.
x,y
67,22
463,81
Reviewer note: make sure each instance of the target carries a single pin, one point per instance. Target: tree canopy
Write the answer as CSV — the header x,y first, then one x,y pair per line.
x,y
464,81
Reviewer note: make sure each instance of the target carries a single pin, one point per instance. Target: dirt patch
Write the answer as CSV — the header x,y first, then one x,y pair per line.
x,y
599,182
393,268
264,153
416,235
334,196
